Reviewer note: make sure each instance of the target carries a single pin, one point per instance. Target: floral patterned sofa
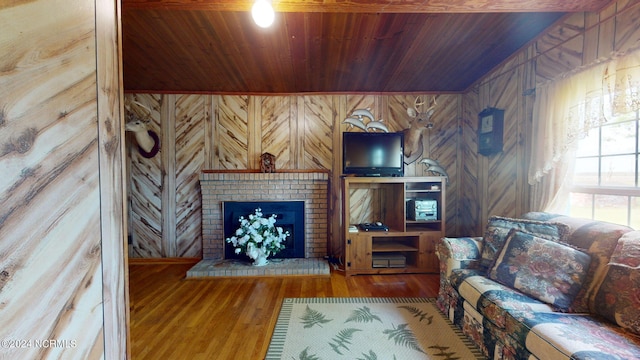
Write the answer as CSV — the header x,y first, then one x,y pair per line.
x,y
545,287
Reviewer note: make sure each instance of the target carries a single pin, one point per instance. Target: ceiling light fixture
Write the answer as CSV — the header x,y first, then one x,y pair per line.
x,y
262,13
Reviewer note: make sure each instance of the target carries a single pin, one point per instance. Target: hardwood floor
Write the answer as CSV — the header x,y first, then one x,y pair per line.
x,y
233,318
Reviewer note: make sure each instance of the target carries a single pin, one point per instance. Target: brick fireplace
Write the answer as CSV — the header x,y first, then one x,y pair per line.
x,y
310,187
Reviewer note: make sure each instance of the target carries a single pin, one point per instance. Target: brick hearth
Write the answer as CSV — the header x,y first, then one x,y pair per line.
x,y
276,267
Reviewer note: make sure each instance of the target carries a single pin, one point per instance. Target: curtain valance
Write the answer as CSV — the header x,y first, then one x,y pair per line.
x,y
566,109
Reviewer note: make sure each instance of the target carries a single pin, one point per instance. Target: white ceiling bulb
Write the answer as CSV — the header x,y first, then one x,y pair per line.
x,y
262,13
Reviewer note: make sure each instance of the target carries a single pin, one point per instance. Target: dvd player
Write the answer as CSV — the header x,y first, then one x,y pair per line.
x,y
373,227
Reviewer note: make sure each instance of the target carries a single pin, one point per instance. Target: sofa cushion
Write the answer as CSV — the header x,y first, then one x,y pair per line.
x,y
618,298
627,252
458,253
572,336
498,228
532,326
493,300
545,270
598,239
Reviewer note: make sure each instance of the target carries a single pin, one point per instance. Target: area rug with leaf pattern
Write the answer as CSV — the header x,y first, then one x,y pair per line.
x,y
366,328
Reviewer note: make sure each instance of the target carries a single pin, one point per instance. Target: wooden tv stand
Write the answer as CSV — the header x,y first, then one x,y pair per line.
x,y
409,245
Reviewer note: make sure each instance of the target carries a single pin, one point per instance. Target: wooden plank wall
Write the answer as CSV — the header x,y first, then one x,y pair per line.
x,y
231,131
111,148
62,260
189,146
304,132
499,182
145,188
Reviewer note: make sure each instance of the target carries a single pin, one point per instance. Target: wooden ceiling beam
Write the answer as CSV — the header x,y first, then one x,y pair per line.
x,y
378,6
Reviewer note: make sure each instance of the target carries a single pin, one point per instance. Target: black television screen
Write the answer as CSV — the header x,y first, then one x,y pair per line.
x,y
372,154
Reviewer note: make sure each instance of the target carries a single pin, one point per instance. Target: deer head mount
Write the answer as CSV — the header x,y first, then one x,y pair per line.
x,y
420,120
420,115
148,141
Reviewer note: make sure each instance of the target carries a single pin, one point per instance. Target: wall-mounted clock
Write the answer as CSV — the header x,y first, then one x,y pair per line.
x,y
490,123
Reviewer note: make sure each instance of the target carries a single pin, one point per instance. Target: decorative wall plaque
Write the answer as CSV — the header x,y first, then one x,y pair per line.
x,y
267,163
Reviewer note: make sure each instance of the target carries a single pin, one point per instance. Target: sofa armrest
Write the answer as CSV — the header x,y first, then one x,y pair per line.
x,y
458,253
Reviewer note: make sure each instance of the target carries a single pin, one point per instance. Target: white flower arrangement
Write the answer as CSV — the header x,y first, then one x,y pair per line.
x,y
258,236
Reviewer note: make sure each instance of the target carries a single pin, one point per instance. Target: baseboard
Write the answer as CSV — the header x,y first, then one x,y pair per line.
x,y
149,261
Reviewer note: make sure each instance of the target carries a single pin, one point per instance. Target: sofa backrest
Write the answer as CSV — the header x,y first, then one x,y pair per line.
x,y
598,239
617,299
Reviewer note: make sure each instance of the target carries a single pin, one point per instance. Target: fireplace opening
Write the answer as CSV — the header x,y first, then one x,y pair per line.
x,y
289,216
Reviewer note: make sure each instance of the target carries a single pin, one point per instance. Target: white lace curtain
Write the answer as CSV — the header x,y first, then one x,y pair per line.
x,y
564,112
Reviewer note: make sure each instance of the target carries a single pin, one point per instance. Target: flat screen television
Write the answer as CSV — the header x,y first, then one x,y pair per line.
x,y
372,153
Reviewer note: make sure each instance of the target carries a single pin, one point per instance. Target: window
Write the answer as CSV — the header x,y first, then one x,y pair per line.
x,y
605,182
600,181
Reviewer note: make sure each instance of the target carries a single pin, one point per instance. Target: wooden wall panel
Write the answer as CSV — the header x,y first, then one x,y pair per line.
x,y
442,145
145,188
355,102
189,124
396,119
61,205
469,221
210,135
498,176
624,34
525,127
364,202
317,133
113,184
601,34
276,127
232,132
168,176
560,49
339,113
502,168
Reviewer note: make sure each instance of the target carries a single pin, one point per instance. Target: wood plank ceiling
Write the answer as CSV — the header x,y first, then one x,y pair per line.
x,y
322,46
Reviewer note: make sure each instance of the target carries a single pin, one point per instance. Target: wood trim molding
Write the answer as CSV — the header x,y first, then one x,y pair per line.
x,y
255,171
167,261
113,194
378,6
168,175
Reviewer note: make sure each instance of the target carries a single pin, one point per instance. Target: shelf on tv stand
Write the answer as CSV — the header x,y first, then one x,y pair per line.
x,y
391,247
370,199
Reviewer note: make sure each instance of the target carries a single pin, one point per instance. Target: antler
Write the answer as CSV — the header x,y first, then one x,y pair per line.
x,y
139,110
422,115
433,104
413,112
